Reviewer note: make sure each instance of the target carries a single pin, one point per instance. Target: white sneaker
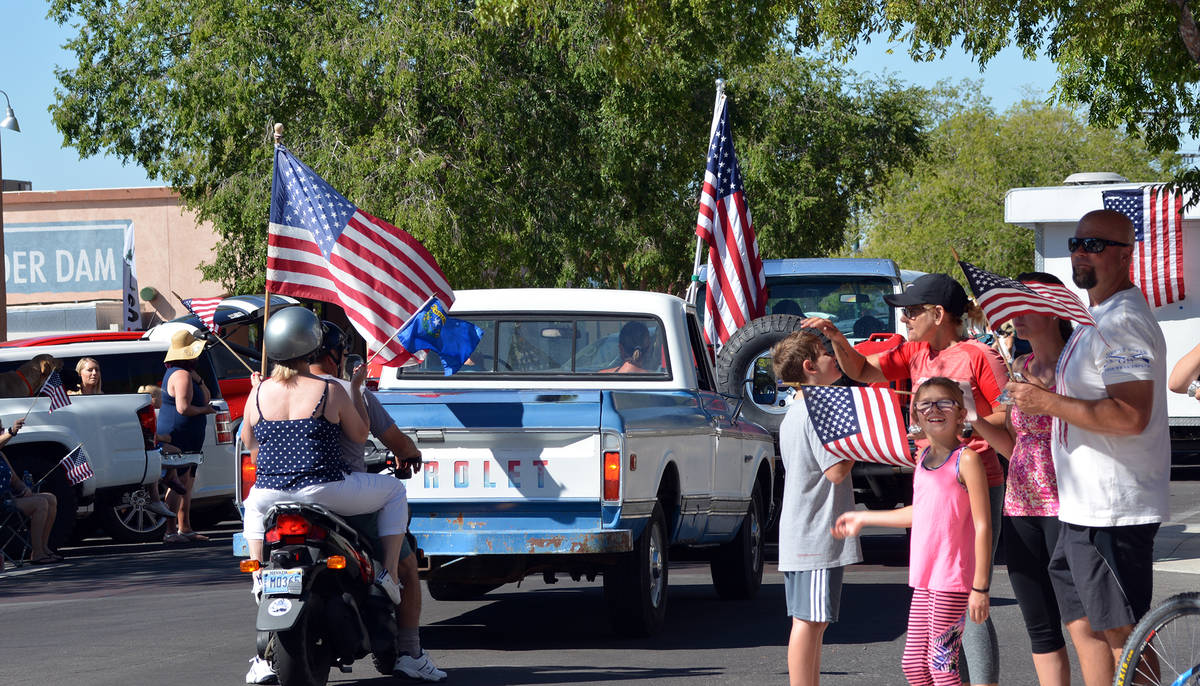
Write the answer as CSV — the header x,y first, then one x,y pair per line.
x,y
420,667
389,585
160,508
261,672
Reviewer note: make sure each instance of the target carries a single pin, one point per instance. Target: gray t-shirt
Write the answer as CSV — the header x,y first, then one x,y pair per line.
x,y
811,503
380,421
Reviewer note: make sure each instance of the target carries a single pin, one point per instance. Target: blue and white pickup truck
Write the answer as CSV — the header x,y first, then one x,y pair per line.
x,y
559,450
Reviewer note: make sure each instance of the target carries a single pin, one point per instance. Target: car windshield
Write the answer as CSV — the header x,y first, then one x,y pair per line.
x,y
854,304
561,345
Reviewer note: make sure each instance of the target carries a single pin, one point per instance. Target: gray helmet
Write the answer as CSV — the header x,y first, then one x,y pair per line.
x,y
291,333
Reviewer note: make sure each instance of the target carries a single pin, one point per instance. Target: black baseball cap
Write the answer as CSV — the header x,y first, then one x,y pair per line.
x,y
932,289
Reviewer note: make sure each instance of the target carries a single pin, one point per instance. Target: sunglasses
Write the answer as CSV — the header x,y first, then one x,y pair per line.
x,y
945,405
1092,245
913,311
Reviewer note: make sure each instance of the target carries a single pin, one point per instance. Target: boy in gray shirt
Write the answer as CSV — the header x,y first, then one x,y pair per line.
x,y
816,490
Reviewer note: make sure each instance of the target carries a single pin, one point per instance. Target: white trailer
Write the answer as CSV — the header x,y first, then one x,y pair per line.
x,y
1052,213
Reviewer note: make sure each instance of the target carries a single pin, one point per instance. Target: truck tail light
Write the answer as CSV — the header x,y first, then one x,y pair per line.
x,y
224,428
249,474
149,425
612,475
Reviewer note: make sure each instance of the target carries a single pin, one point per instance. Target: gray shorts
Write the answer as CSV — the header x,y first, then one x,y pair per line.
x,y
815,595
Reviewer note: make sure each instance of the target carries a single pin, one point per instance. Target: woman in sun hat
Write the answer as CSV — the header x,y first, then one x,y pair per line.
x,y
184,417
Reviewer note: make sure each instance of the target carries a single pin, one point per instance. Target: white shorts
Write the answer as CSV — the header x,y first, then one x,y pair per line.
x,y
359,493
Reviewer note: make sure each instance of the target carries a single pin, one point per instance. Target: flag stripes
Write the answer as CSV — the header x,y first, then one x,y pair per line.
x,y
1157,216
860,423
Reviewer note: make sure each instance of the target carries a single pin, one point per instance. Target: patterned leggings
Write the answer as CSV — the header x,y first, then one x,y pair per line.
x,y
935,627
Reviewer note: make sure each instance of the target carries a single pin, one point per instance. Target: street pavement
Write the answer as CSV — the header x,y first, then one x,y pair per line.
x,y
132,614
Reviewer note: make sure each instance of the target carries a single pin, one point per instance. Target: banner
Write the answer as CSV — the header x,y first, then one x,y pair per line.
x,y
132,312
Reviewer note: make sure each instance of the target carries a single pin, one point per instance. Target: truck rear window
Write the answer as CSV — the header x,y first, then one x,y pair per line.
x,y
561,345
854,303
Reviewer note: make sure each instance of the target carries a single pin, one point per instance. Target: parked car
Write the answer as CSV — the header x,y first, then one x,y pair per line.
x,y
117,431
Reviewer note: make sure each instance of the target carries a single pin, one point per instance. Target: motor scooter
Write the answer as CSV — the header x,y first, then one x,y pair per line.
x,y
320,606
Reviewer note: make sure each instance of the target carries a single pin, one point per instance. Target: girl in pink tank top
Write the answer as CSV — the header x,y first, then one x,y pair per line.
x,y
950,556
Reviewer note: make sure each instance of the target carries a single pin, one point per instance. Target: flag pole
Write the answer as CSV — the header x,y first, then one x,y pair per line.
x,y
222,340
693,289
267,289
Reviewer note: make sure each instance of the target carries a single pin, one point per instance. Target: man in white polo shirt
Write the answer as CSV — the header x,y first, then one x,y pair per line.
x,y
1111,448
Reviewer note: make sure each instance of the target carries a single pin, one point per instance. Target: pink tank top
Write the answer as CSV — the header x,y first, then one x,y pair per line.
x,y
942,545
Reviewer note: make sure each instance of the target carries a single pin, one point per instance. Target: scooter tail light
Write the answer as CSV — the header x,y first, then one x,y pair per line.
x,y
292,525
335,562
250,566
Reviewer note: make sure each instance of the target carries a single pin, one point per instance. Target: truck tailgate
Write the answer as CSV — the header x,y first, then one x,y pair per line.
x,y
503,445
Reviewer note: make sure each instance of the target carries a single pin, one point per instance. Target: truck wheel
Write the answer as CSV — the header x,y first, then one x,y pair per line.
x,y
735,364
737,566
458,590
124,517
635,590
55,482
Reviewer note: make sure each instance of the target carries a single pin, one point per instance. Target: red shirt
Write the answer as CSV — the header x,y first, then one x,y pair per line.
x,y
977,368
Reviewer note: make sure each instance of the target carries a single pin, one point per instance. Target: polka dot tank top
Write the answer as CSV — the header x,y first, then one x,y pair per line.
x,y
294,453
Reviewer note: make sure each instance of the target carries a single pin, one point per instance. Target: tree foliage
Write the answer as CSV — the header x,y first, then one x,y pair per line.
x,y
954,198
1132,63
516,151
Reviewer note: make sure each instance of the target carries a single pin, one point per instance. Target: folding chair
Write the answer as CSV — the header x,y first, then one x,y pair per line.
x,y
15,547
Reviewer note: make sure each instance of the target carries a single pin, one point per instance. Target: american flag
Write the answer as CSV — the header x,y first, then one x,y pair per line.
x,y
859,423
54,389
1157,216
322,247
76,464
737,287
1002,298
205,309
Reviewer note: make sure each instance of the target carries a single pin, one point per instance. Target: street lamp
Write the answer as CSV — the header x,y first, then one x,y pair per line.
x,y
9,122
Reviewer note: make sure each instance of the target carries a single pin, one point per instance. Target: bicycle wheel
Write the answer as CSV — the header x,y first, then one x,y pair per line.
x,y
1164,647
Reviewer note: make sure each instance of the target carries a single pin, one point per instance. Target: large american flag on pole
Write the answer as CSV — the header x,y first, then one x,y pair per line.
x,y
76,464
860,423
1157,216
322,247
1002,298
737,287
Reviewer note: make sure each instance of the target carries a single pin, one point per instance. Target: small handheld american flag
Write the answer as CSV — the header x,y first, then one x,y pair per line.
x,y
76,464
1002,298
53,388
859,423
205,309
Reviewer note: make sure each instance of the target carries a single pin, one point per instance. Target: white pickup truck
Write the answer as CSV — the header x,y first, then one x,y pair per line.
x,y
117,432
547,455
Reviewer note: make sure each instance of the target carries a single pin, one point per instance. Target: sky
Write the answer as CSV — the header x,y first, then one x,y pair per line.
x,y
30,50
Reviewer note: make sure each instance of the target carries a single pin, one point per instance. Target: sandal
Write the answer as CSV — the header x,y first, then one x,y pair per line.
x,y
173,538
45,560
193,536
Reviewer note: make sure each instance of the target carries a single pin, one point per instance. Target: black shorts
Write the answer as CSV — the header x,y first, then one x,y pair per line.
x,y
1104,573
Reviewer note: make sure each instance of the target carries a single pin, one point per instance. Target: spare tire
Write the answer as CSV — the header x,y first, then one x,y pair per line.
x,y
735,364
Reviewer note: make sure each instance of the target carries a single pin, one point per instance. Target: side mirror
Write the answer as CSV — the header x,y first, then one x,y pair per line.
x,y
763,388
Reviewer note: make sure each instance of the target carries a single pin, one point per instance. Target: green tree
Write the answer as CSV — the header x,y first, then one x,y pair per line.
x,y
518,156
954,198
1132,63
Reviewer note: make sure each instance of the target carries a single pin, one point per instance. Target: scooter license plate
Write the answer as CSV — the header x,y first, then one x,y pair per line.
x,y
282,581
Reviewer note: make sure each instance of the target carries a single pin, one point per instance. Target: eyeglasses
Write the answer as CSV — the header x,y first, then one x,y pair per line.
x,y
1092,245
945,405
913,311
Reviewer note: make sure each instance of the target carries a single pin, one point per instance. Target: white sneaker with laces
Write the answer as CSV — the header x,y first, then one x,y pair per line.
x,y
389,585
261,672
420,667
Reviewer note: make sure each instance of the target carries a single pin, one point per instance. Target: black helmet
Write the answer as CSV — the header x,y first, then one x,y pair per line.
x,y
291,333
333,339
